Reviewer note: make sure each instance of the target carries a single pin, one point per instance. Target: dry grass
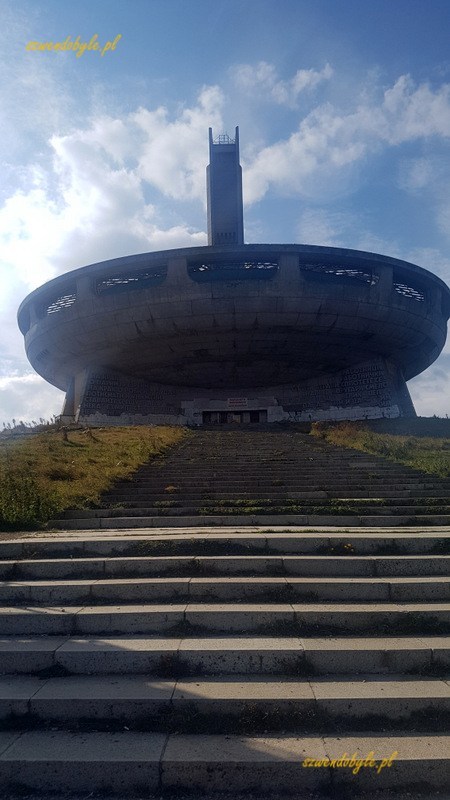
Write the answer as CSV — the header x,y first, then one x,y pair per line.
x,y
42,474
426,454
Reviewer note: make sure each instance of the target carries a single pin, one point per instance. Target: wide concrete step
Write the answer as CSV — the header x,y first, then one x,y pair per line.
x,y
305,482
232,473
292,476
307,498
139,494
131,763
315,520
260,618
297,490
269,507
267,495
255,467
231,589
228,541
257,457
176,656
295,479
244,704
211,566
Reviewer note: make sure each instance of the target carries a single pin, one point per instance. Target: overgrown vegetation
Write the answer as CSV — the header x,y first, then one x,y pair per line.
x,y
44,473
423,453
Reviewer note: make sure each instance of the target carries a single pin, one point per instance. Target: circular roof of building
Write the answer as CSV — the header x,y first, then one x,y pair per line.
x,y
248,315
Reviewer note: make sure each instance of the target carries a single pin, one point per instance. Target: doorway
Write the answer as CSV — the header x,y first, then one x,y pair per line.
x,y
234,417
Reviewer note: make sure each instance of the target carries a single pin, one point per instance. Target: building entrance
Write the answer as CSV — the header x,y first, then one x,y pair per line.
x,y
234,417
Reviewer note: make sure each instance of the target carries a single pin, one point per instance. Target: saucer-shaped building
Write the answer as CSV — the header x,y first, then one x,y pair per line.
x,y
234,332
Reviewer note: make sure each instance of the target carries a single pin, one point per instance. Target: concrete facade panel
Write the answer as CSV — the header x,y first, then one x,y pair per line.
x,y
255,304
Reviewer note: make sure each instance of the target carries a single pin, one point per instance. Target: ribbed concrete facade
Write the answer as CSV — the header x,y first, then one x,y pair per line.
x,y
241,333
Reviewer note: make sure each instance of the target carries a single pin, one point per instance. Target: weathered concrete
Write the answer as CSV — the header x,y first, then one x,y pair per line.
x,y
125,763
235,653
272,700
125,326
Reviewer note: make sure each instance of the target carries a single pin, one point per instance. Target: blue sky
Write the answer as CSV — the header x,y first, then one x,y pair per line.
x,y
344,115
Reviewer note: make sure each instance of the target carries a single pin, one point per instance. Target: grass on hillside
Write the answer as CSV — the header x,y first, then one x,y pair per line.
x,y
42,474
426,454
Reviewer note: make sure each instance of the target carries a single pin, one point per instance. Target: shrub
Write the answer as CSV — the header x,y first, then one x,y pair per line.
x,y
22,502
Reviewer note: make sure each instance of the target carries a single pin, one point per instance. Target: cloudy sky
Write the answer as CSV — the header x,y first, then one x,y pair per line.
x,y
344,115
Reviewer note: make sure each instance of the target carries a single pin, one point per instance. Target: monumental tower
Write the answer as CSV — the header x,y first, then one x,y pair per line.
x,y
224,191
234,332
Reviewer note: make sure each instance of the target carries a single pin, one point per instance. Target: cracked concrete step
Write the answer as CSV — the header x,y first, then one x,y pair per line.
x,y
206,655
294,618
202,566
250,704
130,763
284,589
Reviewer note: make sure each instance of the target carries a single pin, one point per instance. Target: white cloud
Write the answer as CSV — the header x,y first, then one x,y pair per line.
x,y
34,99
416,174
409,112
328,142
173,155
28,397
261,80
323,227
430,391
86,202
443,219
91,205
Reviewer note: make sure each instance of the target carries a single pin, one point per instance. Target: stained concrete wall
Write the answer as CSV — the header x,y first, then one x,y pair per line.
x,y
371,390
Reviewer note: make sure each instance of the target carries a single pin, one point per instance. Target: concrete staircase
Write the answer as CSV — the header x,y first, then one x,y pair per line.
x,y
146,664
267,477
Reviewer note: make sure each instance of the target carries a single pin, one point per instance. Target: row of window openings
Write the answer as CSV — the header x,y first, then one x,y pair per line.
x,y
224,270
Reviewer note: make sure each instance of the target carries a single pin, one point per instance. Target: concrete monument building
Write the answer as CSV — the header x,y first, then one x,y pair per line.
x,y
235,332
